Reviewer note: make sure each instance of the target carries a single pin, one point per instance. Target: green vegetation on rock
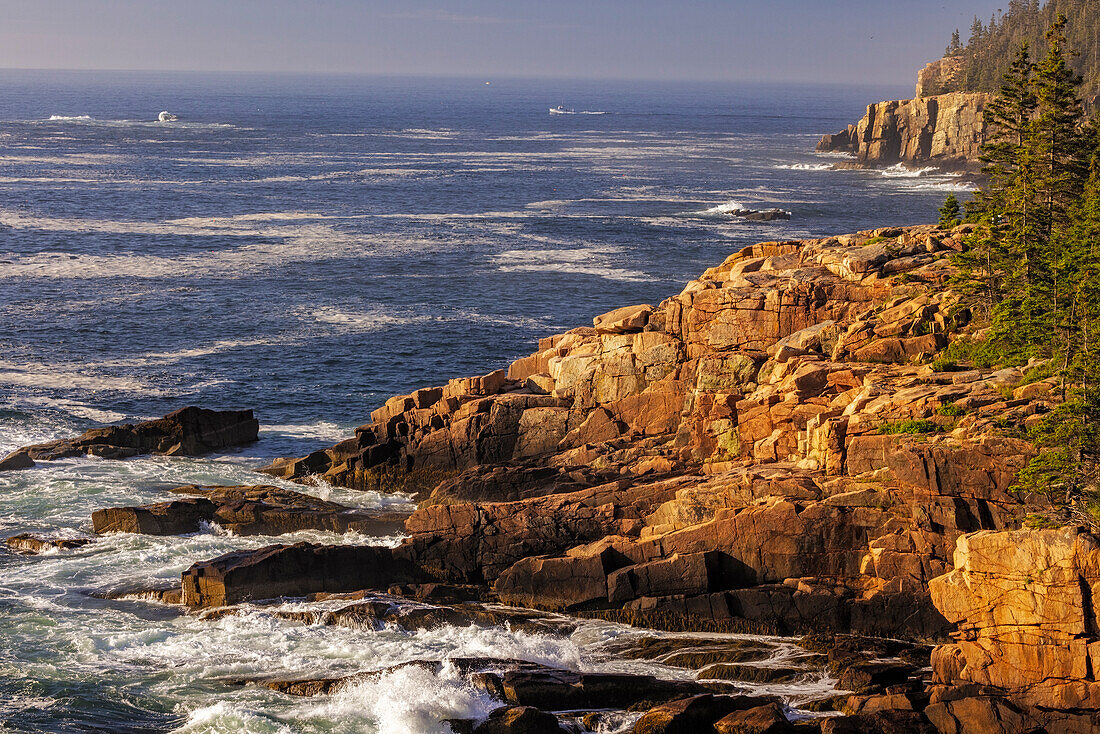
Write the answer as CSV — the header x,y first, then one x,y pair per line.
x,y
1031,270
991,46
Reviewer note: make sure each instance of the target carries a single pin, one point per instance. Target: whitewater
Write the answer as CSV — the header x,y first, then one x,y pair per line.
x,y
307,247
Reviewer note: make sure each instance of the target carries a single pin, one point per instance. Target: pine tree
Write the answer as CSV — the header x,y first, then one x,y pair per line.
x,y
1061,150
950,212
955,47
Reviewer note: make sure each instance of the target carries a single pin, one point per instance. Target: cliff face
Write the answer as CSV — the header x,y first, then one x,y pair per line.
x,y
945,131
938,76
1027,650
729,449
767,451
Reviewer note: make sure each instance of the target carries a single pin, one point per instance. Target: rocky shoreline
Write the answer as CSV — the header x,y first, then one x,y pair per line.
x,y
771,451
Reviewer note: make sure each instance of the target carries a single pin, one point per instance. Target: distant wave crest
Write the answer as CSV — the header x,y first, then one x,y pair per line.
x,y
729,207
805,166
69,118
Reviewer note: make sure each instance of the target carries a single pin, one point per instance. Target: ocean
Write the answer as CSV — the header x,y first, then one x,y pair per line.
x,y
307,246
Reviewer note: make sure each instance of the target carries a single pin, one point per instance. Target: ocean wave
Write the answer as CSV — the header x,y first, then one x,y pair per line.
x,y
900,170
69,118
590,261
70,377
409,700
321,430
805,167
729,207
947,186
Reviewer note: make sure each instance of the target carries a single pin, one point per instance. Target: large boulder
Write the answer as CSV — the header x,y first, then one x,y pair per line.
x,y
188,431
245,510
1025,606
293,570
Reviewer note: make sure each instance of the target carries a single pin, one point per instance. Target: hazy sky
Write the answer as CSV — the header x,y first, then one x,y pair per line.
x,y
765,40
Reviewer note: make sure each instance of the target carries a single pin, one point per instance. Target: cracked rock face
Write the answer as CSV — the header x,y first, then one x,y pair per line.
x,y
1025,609
767,451
945,130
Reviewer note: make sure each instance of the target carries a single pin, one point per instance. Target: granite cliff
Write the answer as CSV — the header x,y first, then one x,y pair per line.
x,y
945,131
771,450
932,129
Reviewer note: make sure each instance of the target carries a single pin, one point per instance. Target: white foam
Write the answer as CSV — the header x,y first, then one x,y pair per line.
x,y
900,170
69,118
321,430
225,717
805,167
56,375
409,700
730,207
588,261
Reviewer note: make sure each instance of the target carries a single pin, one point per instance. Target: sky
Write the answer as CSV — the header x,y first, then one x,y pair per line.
x,y
829,41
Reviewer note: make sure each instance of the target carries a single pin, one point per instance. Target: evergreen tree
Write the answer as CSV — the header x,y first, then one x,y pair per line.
x,y
1060,145
1034,261
950,212
954,48
990,49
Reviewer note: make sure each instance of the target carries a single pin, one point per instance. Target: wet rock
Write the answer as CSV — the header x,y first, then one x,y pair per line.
x,y
164,518
29,544
762,215
692,715
162,594
768,719
870,676
245,510
692,652
881,722
518,720
754,673
556,689
293,570
17,460
189,431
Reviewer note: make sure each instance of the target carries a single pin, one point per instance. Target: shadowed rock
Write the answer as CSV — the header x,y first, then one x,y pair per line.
x,y
245,510
293,570
29,544
189,431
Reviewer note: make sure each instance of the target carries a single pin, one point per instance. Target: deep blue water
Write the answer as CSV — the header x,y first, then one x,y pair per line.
x,y
309,245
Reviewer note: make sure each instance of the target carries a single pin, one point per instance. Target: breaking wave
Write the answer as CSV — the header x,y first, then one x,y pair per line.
x,y
729,207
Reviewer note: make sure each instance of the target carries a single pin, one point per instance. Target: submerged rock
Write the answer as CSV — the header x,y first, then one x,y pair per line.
x,y
189,431
162,594
29,544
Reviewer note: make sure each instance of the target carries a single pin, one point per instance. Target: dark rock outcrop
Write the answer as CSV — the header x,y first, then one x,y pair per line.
x,y
29,544
189,431
293,570
245,510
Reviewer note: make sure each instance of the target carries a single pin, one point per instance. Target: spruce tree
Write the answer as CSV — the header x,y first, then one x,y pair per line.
x,y
950,212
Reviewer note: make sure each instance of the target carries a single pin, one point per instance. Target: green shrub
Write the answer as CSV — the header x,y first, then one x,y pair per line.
x,y
909,426
1040,372
950,409
979,353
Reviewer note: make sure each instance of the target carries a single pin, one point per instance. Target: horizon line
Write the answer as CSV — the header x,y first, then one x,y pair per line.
x,y
478,77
